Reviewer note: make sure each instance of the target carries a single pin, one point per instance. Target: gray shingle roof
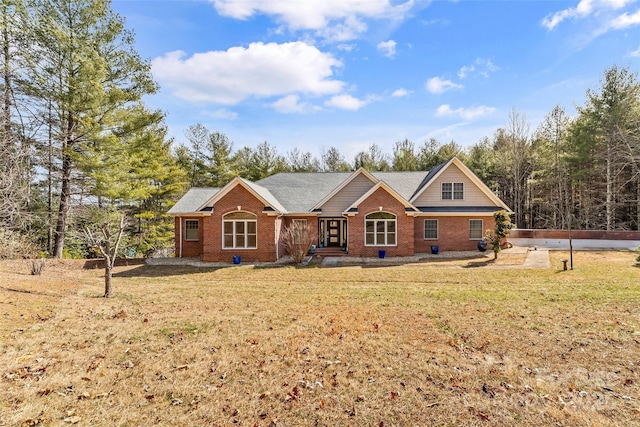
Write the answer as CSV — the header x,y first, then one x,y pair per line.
x,y
404,183
266,195
192,200
299,192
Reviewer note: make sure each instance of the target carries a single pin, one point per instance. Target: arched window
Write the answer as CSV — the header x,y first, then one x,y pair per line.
x,y
380,229
239,231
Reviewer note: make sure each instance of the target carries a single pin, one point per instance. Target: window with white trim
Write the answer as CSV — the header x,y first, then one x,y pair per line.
x,y
380,229
475,229
452,190
431,229
191,229
239,231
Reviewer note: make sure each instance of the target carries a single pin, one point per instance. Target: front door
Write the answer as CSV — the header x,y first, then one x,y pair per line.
x,y
333,232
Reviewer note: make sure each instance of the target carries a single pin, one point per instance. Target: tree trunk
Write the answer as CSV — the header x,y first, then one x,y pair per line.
x,y
108,274
63,210
609,195
50,183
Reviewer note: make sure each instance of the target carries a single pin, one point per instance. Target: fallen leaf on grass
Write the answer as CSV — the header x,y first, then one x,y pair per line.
x,y
95,363
120,315
351,412
482,416
32,422
293,394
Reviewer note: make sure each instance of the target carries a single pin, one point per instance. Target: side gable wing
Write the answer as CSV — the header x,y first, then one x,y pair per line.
x,y
479,195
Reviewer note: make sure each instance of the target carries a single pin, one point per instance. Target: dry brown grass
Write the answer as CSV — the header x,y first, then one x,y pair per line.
x,y
422,344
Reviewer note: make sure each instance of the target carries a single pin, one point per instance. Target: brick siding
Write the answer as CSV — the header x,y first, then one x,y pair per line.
x,y
404,227
266,226
453,233
190,248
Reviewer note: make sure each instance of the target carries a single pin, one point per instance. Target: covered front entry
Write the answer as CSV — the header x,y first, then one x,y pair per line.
x,y
332,232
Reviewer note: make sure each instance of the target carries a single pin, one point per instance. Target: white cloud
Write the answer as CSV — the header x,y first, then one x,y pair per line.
x,y
635,53
259,70
400,93
625,20
388,48
346,47
465,71
438,85
223,113
336,20
480,66
471,113
290,104
583,9
346,102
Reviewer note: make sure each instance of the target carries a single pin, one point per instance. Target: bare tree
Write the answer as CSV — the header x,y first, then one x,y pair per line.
x,y
297,239
106,237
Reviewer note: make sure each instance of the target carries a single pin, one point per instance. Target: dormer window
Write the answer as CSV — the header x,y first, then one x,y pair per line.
x,y
452,191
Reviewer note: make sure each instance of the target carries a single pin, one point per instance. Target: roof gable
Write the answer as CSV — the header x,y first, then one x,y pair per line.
x,y
360,172
256,190
473,178
384,186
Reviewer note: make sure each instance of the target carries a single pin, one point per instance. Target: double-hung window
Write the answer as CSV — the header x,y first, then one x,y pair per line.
x,y
475,229
431,229
191,229
452,190
380,229
239,231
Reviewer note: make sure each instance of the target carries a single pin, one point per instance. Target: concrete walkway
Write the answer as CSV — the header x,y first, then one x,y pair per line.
x,y
537,258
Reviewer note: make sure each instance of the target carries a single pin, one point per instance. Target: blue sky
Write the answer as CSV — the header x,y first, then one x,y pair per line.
x,y
315,74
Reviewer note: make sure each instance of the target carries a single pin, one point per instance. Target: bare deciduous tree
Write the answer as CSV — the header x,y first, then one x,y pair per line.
x,y
106,237
297,239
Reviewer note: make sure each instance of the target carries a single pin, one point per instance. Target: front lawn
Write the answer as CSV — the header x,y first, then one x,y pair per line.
x,y
419,344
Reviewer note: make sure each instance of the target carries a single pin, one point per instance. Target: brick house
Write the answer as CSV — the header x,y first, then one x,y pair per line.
x,y
359,213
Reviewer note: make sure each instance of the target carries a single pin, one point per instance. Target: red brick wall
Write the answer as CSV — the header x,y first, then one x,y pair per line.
x,y
266,226
404,227
190,248
453,233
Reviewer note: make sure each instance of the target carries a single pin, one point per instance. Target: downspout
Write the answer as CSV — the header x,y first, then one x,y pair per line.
x,y
277,235
180,235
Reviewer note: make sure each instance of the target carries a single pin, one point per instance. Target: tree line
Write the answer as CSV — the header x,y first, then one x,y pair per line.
x,y
79,149
571,171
